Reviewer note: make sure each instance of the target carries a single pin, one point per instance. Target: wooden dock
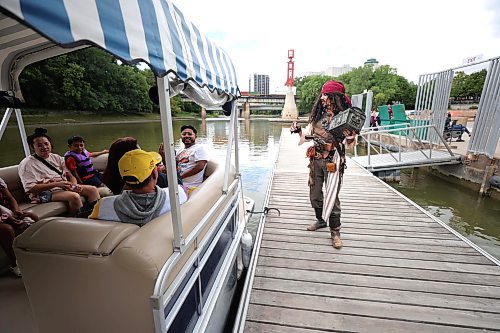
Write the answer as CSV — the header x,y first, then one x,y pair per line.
x,y
400,270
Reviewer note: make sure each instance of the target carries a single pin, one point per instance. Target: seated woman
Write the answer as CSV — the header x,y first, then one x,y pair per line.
x,y
45,177
13,221
111,175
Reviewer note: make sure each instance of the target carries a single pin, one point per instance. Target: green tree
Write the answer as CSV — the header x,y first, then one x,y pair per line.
x,y
468,86
89,79
384,81
308,90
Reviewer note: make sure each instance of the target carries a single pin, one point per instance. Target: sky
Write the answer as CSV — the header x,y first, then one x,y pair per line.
x,y
418,37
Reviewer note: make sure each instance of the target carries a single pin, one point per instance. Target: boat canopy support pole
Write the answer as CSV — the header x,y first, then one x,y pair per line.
x,y
5,120
22,132
168,142
236,135
20,125
232,126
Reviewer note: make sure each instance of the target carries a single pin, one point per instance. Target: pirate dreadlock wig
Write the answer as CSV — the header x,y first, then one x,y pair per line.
x,y
336,94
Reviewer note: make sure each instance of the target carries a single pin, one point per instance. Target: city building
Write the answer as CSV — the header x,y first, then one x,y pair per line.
x,y
259,83
333,71
372,62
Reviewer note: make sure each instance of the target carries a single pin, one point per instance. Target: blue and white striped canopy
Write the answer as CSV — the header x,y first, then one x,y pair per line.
x,y
153,31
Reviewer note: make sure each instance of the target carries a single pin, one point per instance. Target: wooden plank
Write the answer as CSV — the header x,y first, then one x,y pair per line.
x,y
458,302
257,327
410,240
386,262
313,242
293,207
475,258
353,210
355,200
365,218
359,227
333,278
377,309
347,228
328,322
393,272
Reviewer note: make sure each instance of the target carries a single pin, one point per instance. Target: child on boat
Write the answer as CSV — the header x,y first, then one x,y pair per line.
x,y
79,162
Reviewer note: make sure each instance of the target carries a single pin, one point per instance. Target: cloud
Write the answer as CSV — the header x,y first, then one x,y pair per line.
x,y
415,37
493,8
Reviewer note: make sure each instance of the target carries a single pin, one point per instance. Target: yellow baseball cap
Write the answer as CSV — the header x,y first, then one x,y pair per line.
x,y
138,164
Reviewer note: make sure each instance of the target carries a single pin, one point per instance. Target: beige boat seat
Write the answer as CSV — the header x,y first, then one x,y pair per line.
x,y
11,176
97,276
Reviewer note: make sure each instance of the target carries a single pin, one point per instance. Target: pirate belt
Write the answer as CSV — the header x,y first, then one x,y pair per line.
x,y
321,151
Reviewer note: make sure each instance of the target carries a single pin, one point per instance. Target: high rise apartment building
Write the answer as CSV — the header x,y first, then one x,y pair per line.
x,y
259,83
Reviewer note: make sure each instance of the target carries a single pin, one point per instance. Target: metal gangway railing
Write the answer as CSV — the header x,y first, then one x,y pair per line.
x,y
399,146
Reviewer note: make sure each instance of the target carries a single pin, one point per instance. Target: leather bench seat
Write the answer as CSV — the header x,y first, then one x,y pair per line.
x,y
11,176
97,276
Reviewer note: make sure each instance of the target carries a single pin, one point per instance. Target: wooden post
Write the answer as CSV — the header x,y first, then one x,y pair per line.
x,y
246,110
485,183
203,113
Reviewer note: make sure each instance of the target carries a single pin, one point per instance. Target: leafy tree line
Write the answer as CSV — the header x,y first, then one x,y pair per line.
x,y
385,83
468,87
89,80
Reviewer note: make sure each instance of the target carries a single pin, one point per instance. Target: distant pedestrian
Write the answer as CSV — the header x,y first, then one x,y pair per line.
x,y
373,118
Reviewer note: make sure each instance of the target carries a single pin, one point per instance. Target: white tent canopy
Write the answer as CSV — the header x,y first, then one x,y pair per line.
x,y
153,31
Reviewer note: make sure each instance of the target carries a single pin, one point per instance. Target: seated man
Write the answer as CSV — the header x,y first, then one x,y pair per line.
x,y
145,200
192,159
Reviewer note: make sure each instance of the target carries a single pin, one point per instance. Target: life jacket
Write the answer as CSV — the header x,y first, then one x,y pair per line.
x,y
84,166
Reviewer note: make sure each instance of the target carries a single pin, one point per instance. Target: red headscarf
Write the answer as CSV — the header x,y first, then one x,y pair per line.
x,y
335,87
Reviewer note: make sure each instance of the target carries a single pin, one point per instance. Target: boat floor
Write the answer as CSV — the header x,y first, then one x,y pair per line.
x,y
15,311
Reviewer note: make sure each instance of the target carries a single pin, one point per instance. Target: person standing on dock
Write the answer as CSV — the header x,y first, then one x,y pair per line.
x,y
331,101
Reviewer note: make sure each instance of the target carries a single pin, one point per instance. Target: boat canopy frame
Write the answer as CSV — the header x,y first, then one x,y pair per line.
x,y
183,60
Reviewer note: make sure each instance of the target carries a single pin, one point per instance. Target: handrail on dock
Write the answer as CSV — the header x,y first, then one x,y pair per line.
x,y
397,130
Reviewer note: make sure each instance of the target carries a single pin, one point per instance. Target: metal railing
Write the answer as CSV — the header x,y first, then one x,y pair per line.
x,y
374,139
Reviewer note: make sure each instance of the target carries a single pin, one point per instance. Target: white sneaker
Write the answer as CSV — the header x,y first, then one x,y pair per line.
x,y
16,271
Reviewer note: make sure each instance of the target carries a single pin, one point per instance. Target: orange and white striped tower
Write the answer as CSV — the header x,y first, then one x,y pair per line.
x,y
290,109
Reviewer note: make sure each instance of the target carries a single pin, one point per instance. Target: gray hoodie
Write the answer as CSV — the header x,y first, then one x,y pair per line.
x,y
139,208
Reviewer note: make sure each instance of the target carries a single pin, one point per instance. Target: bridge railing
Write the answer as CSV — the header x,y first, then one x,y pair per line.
x,y
398,138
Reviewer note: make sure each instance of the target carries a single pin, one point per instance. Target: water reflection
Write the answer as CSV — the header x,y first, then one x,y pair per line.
x,y
258,145
476,217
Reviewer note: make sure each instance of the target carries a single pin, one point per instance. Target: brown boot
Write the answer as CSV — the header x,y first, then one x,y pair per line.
x,y
320,223
316,225
336,241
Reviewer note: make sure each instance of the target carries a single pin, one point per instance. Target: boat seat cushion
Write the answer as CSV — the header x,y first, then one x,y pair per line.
x,y
11,176
81,236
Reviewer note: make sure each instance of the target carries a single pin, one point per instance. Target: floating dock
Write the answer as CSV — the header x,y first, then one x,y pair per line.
x,y
400,270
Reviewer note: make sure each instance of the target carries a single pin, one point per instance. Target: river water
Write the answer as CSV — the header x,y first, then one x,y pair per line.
x,y
475,217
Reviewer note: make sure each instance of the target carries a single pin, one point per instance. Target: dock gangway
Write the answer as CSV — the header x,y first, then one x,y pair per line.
x,y
400,146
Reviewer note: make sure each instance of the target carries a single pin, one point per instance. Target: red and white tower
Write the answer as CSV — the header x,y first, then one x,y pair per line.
x,y
289,79
290,109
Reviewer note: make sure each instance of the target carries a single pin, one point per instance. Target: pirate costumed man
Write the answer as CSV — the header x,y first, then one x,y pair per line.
x,y
322,154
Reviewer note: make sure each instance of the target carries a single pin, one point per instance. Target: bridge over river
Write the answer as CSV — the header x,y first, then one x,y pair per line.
x,y
257,102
